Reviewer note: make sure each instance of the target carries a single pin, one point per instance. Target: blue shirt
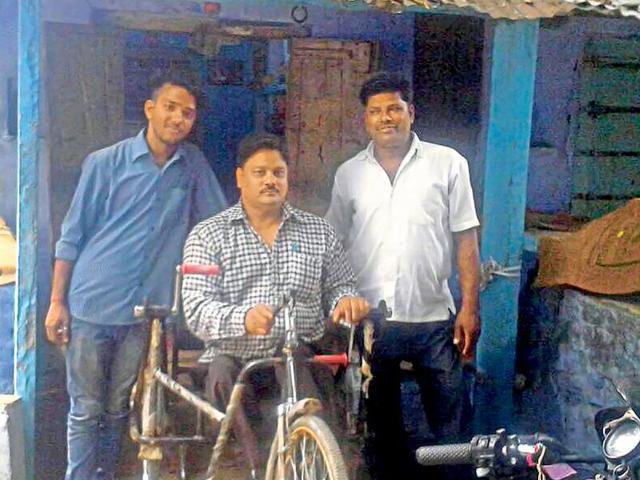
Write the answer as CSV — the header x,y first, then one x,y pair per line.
x,y
127,224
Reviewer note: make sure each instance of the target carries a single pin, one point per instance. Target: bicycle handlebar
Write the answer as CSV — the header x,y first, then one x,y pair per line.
x,y
340,359
195,269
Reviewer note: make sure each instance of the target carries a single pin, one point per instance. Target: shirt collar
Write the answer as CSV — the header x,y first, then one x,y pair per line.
x,y
139,148
415,143
237,213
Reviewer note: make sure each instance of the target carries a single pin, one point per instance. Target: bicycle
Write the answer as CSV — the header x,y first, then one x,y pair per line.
x,y
303,447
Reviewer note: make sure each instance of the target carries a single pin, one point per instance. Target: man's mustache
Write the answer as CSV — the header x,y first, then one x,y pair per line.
x,y
270,190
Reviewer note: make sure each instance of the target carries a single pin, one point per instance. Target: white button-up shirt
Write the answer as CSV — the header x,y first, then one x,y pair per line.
x,y
398,235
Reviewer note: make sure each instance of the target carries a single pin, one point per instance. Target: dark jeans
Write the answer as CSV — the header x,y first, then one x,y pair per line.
x,y
313,381
438,373
102,365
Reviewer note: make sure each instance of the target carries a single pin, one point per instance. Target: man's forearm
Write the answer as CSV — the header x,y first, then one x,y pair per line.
x,y
62,270
468,257
209,319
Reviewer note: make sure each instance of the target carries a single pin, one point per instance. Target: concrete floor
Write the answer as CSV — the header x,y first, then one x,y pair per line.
x,y
197,459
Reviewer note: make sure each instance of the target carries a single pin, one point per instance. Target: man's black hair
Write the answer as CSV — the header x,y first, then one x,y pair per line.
x,y
385,82
254,142
186,80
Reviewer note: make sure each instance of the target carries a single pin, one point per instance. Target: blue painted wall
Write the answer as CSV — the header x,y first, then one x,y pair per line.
x,y
8,145
8,180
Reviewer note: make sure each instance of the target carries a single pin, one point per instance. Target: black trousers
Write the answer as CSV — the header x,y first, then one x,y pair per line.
x,y
438,373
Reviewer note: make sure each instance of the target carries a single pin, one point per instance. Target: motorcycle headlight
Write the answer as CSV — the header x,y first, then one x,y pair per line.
x,y
622,440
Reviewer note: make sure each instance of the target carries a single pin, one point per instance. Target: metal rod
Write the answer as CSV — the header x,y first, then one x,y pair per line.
x,y
182,455
150,413
144,440
177,292
185,394
291,343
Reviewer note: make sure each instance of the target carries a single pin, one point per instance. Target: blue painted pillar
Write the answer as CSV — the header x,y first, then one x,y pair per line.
x,y
506,156
26,322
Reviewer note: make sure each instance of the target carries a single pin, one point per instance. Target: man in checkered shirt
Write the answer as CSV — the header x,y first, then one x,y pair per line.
x,y
265,248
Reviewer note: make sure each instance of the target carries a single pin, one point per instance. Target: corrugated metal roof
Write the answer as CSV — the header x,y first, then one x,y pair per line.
x,y
516,9
626,8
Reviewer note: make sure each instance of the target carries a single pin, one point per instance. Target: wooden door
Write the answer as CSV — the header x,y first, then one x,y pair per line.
x,y
324,124
606,165
85,93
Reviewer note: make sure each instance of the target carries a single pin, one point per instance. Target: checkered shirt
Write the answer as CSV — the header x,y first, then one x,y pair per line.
x,y
306,258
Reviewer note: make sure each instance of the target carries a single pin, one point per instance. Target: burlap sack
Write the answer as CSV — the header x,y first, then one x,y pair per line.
x,y
601,257
8,255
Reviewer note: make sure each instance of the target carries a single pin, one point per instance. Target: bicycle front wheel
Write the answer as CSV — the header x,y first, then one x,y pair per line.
x,y
311,453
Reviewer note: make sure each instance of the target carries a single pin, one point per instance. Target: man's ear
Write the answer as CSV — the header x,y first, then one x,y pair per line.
x,y
149,105
412,112
239,177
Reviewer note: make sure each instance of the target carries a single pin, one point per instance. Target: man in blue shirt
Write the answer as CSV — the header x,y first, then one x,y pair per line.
x,y
121,239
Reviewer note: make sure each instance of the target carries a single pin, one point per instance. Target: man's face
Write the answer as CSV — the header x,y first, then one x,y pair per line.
x,y
262,180
171,115
388,119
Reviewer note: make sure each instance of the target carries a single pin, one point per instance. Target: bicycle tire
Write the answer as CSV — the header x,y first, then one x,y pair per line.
x,y
309,435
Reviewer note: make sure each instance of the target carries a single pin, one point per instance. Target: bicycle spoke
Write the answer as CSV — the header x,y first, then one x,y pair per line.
x,y
321,469
313,459
292,460
305,461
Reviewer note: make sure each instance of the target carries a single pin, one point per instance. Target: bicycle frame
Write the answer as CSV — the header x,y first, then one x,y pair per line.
x,y
153,381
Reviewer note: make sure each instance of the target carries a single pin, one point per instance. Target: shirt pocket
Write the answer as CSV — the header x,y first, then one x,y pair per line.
x,y
428,207
177,205
305,276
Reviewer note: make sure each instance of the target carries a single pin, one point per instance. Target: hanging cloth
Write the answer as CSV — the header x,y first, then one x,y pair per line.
x,y
602,257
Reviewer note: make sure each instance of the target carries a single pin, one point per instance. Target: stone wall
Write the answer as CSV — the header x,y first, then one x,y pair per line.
x,y
600,341
12,453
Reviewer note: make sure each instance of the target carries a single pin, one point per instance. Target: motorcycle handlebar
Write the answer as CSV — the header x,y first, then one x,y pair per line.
x,y
453,454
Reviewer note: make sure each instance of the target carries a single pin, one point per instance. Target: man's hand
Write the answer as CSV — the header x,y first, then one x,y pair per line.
x,y
351,310
58,323
466,333
259,320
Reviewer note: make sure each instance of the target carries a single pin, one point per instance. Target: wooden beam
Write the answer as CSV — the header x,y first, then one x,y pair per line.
x,y
189,23
506,155
26,321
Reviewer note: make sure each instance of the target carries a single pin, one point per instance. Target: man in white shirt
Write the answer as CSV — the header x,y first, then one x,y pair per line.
x,y
403,209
